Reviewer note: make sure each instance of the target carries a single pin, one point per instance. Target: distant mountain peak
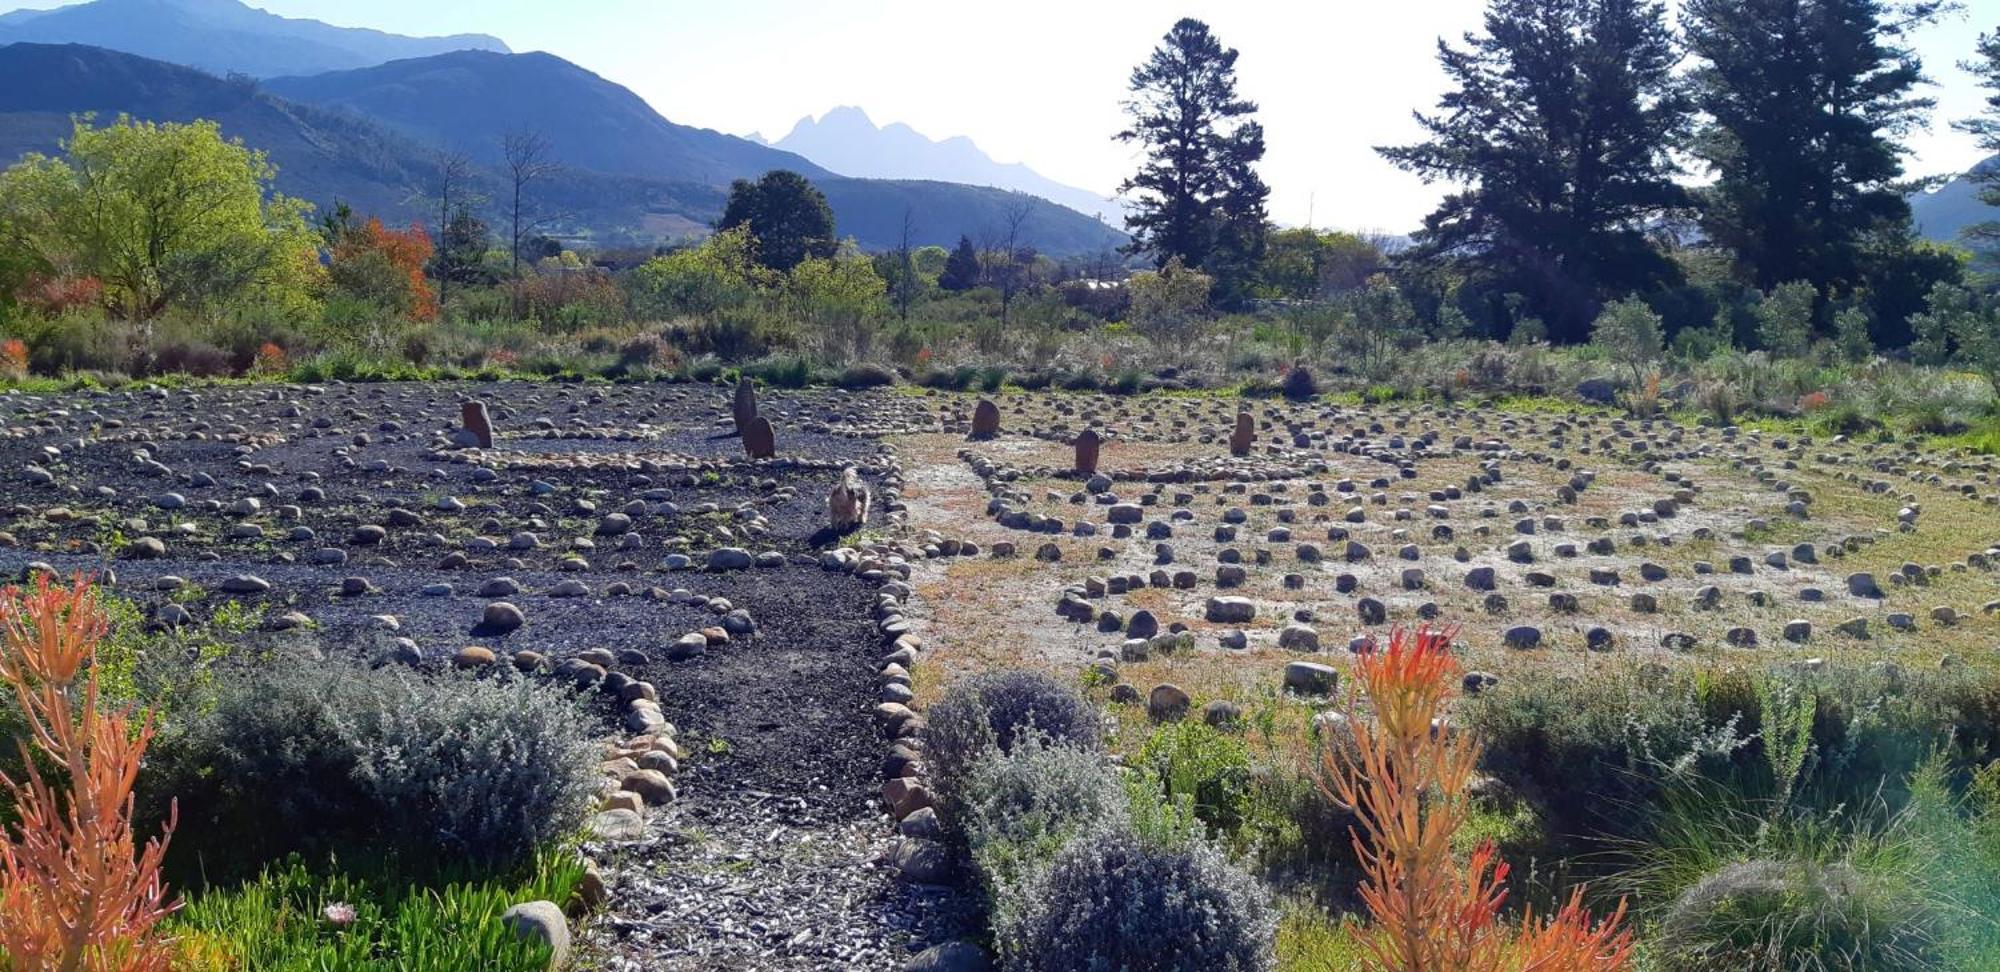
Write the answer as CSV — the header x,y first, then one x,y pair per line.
x,y
225,36
846,140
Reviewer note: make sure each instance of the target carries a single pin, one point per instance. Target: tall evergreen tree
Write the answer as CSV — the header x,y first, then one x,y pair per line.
x,y
1986,128
788,218
1805,101
961,268
1559,128
1197,196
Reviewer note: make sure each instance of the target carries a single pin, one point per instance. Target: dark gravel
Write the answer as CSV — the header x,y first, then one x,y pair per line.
x,y
771,858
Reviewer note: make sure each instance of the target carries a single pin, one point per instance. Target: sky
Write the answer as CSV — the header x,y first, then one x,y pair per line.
x,y
1042,82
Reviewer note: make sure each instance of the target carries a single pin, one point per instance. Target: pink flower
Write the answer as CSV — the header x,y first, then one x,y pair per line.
x,y
339,914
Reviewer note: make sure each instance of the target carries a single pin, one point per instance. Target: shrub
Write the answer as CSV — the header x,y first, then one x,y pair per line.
x,y
994,710
1110,900
1193,762
1782,915
1590,751
1298,384
1020,808
198,358
294,757
868,375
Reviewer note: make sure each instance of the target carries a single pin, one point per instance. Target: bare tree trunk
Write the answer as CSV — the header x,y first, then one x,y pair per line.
x,y
527,161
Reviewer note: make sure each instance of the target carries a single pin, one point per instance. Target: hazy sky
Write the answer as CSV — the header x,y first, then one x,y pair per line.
x,y
1041,82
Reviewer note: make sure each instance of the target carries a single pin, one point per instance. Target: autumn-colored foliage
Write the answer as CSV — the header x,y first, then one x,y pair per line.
x,y
270,360
77,892
1405,774
14,359
385,265
60,294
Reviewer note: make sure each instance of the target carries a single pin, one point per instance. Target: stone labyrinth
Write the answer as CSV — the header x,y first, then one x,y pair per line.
x,y
760,677
1185,529
618,539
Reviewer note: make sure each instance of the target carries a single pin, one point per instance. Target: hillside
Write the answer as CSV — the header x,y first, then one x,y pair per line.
x,y
224,36
467,99
613,187
1945,212
321,155
847,141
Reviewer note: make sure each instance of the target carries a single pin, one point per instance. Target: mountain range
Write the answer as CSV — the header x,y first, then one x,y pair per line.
x,y
368,135
224,36
1943,213
847,141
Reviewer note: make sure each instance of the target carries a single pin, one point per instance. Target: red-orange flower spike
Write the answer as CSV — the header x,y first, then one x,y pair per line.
x,y
1405,775
77,893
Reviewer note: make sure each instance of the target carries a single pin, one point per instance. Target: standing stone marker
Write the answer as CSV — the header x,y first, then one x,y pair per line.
x,y
758,441
1087,447
473,416
745,406
1246,432
985,419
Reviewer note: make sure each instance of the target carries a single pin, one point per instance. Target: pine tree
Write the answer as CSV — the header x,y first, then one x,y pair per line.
x,y
961,268
1805,101
1197,197
1986,128
1558,127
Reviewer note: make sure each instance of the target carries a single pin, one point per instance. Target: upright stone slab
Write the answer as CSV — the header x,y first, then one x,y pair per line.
x,y
758,440
473,416
1087,447
1246,432
985,419
745,406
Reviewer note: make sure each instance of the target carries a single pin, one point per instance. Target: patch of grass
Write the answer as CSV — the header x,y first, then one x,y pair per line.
x,y
279,921
1309,940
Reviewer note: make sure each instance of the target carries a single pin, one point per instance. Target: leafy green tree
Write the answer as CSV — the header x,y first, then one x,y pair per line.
x,y
1806,101
1850,334
1381,325
1558,127
1197,197
722,274
1303,264
961,268
787,216
1169,304
840,300
1631,334
162,215
1985,127
1785,319
930,262
1955,326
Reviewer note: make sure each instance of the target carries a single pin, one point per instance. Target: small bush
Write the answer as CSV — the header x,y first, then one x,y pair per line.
x,y
866,376
1021,808
1589,752
1299,385
994,710
1110,900
294,757
1782,915
1211,771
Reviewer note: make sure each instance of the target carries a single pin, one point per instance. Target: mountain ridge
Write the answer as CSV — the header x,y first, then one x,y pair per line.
x,y
846,140
328,152
224,36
